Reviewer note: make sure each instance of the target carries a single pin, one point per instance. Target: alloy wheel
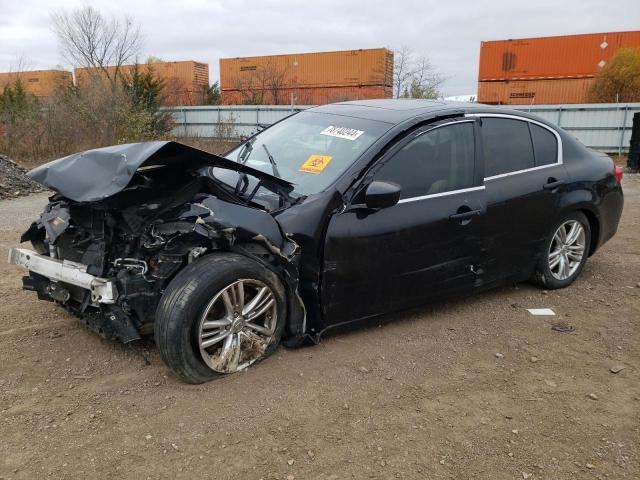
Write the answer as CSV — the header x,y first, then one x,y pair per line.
x,y
237,325
567,249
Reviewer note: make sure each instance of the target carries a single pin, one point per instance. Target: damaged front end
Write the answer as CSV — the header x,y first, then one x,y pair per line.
x,y
127,219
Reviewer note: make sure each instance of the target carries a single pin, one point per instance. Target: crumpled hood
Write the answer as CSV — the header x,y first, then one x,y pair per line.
x,y
97,174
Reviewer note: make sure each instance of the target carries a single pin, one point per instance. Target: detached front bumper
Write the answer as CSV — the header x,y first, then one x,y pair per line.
x,y
72,273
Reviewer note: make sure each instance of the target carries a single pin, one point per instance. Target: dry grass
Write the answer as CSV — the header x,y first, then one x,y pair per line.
x,y
34,131
30,159
619,160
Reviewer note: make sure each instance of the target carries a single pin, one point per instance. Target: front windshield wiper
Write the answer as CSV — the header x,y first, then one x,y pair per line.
x,y
273,162
245,151
243,156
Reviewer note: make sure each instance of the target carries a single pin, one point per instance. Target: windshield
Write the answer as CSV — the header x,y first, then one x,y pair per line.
x,y
310,150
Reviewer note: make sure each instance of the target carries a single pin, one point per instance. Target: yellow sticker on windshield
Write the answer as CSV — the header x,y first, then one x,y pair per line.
x,y
315,163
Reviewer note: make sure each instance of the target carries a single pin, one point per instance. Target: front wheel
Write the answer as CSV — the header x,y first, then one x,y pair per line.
x,y
219,315
564,253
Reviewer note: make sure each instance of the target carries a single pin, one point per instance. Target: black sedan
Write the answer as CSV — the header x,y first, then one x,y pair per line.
x,y
339,213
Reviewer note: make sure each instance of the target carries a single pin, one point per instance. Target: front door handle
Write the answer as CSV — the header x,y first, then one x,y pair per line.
x,y
552,185
462,216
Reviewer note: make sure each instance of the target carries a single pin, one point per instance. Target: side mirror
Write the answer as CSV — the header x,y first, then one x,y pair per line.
x,y
382,195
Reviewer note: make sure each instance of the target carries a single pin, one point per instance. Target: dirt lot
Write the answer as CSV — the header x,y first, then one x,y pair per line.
x,y
476,388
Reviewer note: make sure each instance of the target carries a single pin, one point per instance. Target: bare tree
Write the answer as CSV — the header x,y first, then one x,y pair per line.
x,y
262,84
20,64
426,81
402,69
415,76
275,79
251,88
89,39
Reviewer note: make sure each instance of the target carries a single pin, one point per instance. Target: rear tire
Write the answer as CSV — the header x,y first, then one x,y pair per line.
x,y
204,325
564,253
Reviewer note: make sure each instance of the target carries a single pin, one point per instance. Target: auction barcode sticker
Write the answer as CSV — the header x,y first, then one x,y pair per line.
x,y
342,132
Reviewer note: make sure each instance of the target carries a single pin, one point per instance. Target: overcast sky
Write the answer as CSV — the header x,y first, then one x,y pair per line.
x,y
448,32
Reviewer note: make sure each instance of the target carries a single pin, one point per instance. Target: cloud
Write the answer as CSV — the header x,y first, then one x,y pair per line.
x,y
449,33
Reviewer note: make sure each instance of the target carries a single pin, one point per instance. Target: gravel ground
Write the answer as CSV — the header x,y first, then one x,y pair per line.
x,y
475,388
13,181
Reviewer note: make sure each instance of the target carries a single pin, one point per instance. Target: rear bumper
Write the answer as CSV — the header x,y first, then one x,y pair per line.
x,y
610,213
72,273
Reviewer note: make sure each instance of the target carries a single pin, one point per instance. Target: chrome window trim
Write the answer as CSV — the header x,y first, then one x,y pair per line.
x,y
438,126
442,194
559,159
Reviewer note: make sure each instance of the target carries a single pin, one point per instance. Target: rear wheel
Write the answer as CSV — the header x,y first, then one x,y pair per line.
x,y
219,315
565,252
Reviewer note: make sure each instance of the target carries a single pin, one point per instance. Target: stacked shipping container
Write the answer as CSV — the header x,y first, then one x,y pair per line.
x,y
548,69
307,78
185,82
41,83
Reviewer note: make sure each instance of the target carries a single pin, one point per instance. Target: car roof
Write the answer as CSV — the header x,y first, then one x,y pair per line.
x,y
395,111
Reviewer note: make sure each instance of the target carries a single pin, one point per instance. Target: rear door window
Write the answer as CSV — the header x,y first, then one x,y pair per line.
x,y
545,145
439,160
507,146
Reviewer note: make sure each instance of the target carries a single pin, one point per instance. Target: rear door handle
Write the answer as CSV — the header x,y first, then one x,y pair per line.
x,y
465,215
553,185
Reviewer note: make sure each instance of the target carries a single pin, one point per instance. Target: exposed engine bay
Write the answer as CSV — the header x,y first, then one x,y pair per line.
x,y
121,227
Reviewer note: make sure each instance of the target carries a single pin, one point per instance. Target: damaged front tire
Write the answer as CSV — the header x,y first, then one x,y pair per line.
x,y
219,315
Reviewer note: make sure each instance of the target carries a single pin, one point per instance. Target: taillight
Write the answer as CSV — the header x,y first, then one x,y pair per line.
x,y
617,172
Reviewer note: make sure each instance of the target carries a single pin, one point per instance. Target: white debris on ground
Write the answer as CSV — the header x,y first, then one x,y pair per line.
x,y
540,311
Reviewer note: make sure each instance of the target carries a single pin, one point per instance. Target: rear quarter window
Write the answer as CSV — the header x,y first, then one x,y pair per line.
x,y
545,145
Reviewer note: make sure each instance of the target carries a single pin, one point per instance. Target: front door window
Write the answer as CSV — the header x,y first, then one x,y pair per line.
x,y
436,161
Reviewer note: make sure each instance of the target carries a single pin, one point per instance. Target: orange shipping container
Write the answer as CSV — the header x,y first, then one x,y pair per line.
x,y
311,95
41,83
571,56
534,92
349,68
185,82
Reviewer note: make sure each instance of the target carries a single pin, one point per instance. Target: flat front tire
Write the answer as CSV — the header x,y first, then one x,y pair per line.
x,y
219,315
